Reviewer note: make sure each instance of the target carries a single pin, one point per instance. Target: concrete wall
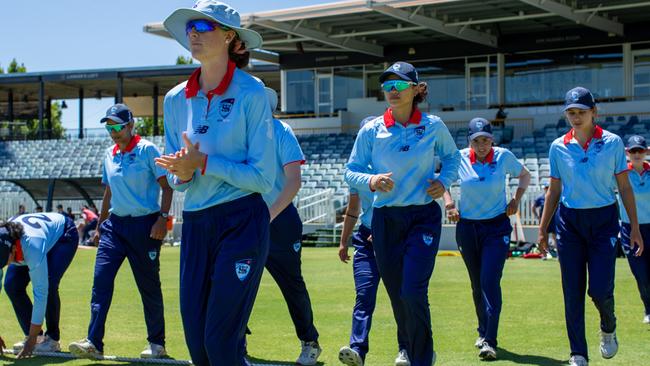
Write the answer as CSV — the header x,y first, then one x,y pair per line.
x,y
303,126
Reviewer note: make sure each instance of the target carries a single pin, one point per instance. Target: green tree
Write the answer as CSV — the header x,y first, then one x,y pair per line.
x,y
32,126
14,68
144,126
2,71
182,60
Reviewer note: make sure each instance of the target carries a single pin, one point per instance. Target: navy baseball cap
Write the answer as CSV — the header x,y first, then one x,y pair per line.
x,y
636,142
5,246
479,127
119,113
404,70
580,98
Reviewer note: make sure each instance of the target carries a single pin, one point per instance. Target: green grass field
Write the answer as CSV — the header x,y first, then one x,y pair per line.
x,y
531,333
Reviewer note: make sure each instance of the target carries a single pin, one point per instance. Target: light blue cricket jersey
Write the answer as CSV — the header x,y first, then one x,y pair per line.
x,y
288,151
133,175
641,187
483,185
234,127
408,152
587,173
42,231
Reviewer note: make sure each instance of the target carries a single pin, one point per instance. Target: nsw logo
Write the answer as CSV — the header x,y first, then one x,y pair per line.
x,y
296,247
201,129
427,239
225,107
243,268
419,132
575,96
152,255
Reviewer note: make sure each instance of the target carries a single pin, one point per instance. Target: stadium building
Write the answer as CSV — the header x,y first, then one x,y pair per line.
x,y
325,60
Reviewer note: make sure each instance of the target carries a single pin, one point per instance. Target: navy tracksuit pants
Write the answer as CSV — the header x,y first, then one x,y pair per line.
x,y
283,263
17,279
120,238
406,241
223,251
586,243
640,266
484,245
366,283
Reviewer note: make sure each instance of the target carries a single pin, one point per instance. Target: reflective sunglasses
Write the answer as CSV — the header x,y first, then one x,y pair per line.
x,y
116,128
399,85
203,25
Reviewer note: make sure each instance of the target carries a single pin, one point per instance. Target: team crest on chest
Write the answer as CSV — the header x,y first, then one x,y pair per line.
x,y
225,107
598,146
296,247
152,255
419,132
243,268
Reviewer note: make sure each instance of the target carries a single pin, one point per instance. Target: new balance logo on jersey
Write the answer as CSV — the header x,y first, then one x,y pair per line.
x,y
404,148
200,130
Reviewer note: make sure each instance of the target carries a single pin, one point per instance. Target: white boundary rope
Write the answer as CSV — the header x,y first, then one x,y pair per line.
x,y
151,361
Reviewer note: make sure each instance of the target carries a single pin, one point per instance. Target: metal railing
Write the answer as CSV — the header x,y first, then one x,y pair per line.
x,y
316,207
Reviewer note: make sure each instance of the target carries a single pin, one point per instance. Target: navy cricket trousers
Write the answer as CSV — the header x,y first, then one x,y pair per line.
x,y
640,266
17,279
586,243
120,238
223,251
484,245
283,263
366,283
406,241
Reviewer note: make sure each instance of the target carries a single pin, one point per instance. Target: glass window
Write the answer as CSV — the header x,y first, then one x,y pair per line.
x,y
446,84
300,91
533,79
642,74
373,89
348,83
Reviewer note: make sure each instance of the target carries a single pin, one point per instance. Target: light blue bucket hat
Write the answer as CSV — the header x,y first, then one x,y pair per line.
x,y
211,10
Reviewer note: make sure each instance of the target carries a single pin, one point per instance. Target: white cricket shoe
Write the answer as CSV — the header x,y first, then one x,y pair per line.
x,y
646,319
309,353
350,357
479,342
153,350
402,358
85,349
608,344
577,360
48,345
487,352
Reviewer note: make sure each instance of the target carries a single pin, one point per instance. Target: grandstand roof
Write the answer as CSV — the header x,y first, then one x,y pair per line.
x,y
362,31
135,81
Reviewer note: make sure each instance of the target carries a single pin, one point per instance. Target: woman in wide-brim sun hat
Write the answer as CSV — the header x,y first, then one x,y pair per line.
x,y
214,11
220,150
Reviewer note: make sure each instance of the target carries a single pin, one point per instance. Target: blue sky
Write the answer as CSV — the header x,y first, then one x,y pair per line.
x,y
50,35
